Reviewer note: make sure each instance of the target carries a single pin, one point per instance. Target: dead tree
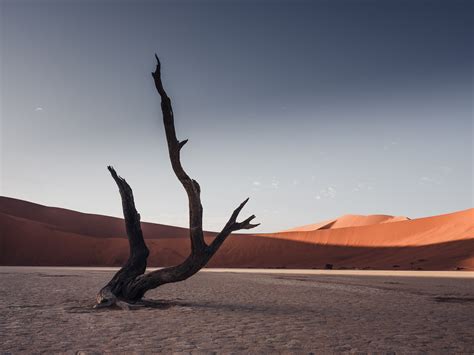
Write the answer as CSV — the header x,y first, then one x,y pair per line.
x,y
130,283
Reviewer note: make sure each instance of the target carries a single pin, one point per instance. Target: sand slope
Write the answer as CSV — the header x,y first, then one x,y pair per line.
x,y
366,232
82,223
349,220
31,234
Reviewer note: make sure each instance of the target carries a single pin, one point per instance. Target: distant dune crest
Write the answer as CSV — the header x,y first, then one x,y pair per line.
x,y
349,220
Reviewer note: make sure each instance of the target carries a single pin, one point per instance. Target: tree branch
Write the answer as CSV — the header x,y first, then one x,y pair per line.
x,y
231,226
132,217
174,147
195,261
137,260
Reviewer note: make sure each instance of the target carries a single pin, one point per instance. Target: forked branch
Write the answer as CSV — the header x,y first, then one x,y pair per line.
x,y
130,283
200,252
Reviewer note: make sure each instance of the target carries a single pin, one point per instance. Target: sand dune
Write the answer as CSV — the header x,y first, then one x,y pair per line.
x,y
404,233
32,234
349,220
85,224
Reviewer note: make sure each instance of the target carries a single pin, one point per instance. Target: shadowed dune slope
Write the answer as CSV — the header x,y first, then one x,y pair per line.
x,y
85,224
31,234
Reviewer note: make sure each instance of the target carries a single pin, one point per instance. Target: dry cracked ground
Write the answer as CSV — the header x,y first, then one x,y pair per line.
x,y
50,310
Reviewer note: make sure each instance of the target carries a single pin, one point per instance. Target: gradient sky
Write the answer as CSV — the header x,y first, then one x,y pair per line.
x,y
314,109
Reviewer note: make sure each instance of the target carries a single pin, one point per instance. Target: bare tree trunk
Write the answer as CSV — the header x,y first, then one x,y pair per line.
x,y
130,283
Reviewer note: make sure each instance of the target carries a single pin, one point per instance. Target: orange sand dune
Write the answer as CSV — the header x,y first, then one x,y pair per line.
x,y
404,233
349,220
31,234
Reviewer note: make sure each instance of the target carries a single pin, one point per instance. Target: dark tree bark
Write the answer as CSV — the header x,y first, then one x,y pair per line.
x,y
130,283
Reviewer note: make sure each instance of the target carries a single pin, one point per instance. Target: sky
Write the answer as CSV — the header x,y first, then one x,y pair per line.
x,y
313,109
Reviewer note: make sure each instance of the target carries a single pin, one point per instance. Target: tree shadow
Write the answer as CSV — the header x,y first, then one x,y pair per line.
x,y
460,300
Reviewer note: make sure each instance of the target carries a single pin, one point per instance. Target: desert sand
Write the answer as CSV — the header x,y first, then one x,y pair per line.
x,y
349,220
50,310
32,234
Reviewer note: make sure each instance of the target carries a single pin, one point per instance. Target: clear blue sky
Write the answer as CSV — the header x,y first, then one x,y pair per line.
x,y
313,109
